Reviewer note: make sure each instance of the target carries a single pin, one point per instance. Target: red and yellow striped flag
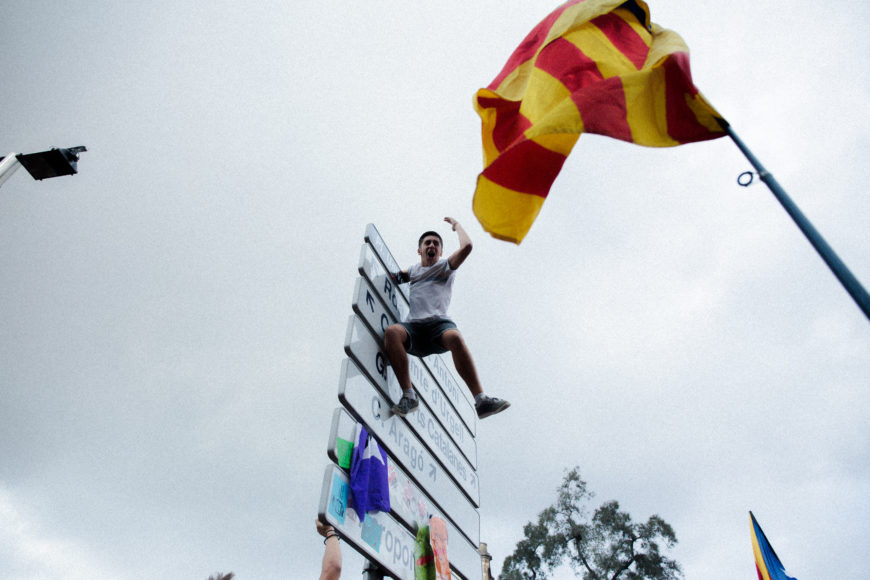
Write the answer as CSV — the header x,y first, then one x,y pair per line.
x,y
596,66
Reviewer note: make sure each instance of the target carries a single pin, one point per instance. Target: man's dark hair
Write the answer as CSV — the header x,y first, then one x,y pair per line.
x,y
436,234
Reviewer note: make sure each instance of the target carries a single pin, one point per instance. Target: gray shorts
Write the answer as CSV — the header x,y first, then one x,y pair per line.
x,y
423,335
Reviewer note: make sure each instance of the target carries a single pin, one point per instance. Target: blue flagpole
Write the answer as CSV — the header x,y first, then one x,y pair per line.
x,y
849,282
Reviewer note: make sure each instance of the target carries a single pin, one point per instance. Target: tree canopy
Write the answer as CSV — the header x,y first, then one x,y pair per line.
x,y
607,546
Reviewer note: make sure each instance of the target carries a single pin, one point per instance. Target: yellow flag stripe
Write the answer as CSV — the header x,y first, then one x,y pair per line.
x,y
504,213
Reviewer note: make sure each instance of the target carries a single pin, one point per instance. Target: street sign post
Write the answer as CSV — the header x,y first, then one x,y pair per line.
x,y
432,455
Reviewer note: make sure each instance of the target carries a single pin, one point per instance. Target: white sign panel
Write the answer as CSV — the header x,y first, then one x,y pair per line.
x,y
432,452
379,538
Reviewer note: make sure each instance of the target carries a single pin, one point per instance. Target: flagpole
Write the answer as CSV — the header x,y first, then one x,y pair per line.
x,y
849,282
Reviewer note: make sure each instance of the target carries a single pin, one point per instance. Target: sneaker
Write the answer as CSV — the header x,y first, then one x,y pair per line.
x,y
490,406
406,405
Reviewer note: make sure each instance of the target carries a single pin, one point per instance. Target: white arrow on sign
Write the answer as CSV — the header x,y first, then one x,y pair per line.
x,y
380,538
371,310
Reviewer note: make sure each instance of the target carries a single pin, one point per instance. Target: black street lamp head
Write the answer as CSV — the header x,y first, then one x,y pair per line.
x,y
51,163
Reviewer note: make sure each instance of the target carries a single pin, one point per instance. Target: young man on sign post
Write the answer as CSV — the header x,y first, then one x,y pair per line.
x,y
427,329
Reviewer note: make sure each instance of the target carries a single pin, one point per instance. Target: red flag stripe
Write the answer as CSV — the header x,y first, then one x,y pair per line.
x,y
623,37
530,45
509,122
526,167
603,109
564,61
682,123
510,130
600,102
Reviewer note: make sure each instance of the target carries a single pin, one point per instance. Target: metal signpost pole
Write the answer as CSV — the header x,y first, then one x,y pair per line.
x,y
372,571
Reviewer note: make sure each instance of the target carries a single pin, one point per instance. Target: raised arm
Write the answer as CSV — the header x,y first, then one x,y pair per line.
x,y
456,258
330,568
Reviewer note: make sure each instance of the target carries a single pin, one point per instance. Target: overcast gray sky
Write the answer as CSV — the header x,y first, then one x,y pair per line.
x,y
172,318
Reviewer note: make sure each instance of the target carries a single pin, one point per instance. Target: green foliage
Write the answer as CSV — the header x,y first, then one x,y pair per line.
x,y
609,546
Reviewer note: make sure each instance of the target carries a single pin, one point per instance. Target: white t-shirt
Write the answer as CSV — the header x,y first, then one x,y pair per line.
x,y
431,288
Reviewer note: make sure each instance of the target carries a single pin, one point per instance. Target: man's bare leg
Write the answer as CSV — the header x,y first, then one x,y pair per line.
x,y
394,343
485,406
452,340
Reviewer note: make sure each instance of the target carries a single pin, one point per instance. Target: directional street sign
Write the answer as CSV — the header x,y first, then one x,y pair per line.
x,y
380,538
364,349
413,507
423,462
432,454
